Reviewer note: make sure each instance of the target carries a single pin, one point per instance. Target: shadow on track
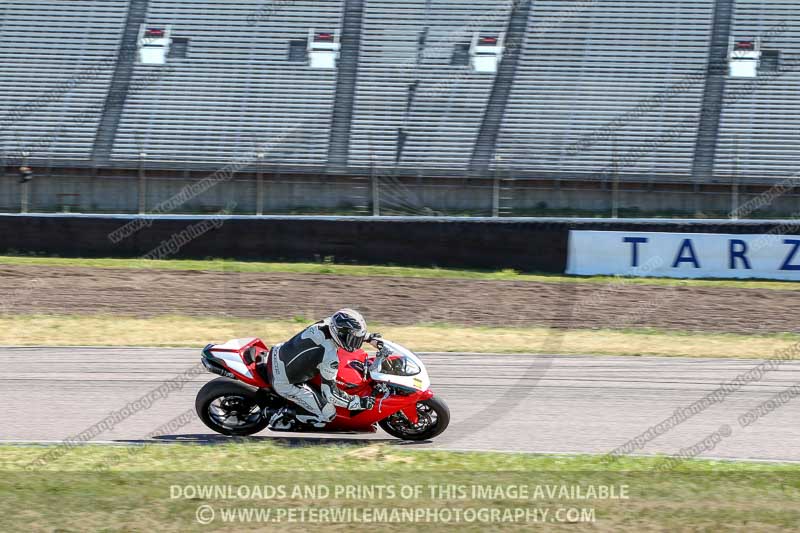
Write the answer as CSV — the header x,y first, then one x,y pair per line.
x,y
288,442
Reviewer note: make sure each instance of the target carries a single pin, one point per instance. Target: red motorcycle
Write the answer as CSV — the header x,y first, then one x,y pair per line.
x,y
241,402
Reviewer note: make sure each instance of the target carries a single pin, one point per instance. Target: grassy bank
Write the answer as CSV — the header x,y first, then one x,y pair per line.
x,y
183,331
187,487
331,268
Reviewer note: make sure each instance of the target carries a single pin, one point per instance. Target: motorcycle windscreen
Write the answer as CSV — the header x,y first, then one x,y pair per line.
x,y
402,368
400,365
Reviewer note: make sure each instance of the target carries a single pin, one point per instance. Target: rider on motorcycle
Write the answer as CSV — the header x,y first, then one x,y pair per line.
x,y
314,351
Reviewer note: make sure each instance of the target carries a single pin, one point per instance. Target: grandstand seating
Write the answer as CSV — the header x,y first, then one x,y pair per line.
x,y
56,62
409,85
760,125
235,93
597,87
585,64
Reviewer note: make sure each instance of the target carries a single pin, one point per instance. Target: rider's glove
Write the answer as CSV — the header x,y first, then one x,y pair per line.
x,y
359,403
375,339
367,402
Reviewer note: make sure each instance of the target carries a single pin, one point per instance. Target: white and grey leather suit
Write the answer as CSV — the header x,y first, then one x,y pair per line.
x,y
296,361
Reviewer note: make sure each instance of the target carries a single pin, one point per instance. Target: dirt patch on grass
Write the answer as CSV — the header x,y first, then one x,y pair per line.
x,y
394,300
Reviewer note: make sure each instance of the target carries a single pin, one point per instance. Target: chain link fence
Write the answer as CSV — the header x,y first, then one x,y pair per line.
x,y
160,192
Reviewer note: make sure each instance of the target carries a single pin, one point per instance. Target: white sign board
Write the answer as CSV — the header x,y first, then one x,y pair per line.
x,y
684,255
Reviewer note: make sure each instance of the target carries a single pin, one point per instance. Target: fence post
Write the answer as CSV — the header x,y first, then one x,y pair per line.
x,y
142,203
260,184
735,181
26,174
259,193
376,196
615,179
496,196
23,201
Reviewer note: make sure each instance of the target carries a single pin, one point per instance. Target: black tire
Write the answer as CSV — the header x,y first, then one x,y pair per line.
x,y
229,388
435,404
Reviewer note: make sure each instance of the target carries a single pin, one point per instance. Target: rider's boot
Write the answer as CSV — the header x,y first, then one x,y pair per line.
x,y
282,420
310,420
316,420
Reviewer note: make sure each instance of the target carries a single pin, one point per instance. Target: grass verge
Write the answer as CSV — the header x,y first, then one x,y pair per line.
x,y
183,331
331,268
172,488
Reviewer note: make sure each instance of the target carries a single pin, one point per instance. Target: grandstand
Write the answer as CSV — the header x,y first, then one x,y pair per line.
x,y
418,107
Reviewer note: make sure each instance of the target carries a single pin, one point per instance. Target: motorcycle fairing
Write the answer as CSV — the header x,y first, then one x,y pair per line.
x,y
231,357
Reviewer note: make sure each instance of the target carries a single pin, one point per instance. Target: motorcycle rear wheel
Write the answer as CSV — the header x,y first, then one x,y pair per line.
x,y
223,399
434,417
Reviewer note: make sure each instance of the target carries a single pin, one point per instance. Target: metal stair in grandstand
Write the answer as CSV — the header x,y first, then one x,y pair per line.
x,y
120,83
345,85
495,109
505,200
716,75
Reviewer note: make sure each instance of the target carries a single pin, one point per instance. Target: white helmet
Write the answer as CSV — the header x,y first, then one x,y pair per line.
x,y
348,329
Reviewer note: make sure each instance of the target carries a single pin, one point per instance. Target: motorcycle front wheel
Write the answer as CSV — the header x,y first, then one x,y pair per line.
x,y
433,418
230,407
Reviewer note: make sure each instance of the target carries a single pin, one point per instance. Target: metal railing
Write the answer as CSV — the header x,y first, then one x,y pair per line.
x,y
154,192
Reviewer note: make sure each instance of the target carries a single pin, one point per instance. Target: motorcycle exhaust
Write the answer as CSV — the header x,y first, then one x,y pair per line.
x,y
216,369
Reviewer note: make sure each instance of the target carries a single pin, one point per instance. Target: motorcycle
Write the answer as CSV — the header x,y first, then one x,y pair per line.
x,y
241,402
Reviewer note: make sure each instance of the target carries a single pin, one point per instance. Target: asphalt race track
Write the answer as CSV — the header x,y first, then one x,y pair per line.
x,y
567,404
